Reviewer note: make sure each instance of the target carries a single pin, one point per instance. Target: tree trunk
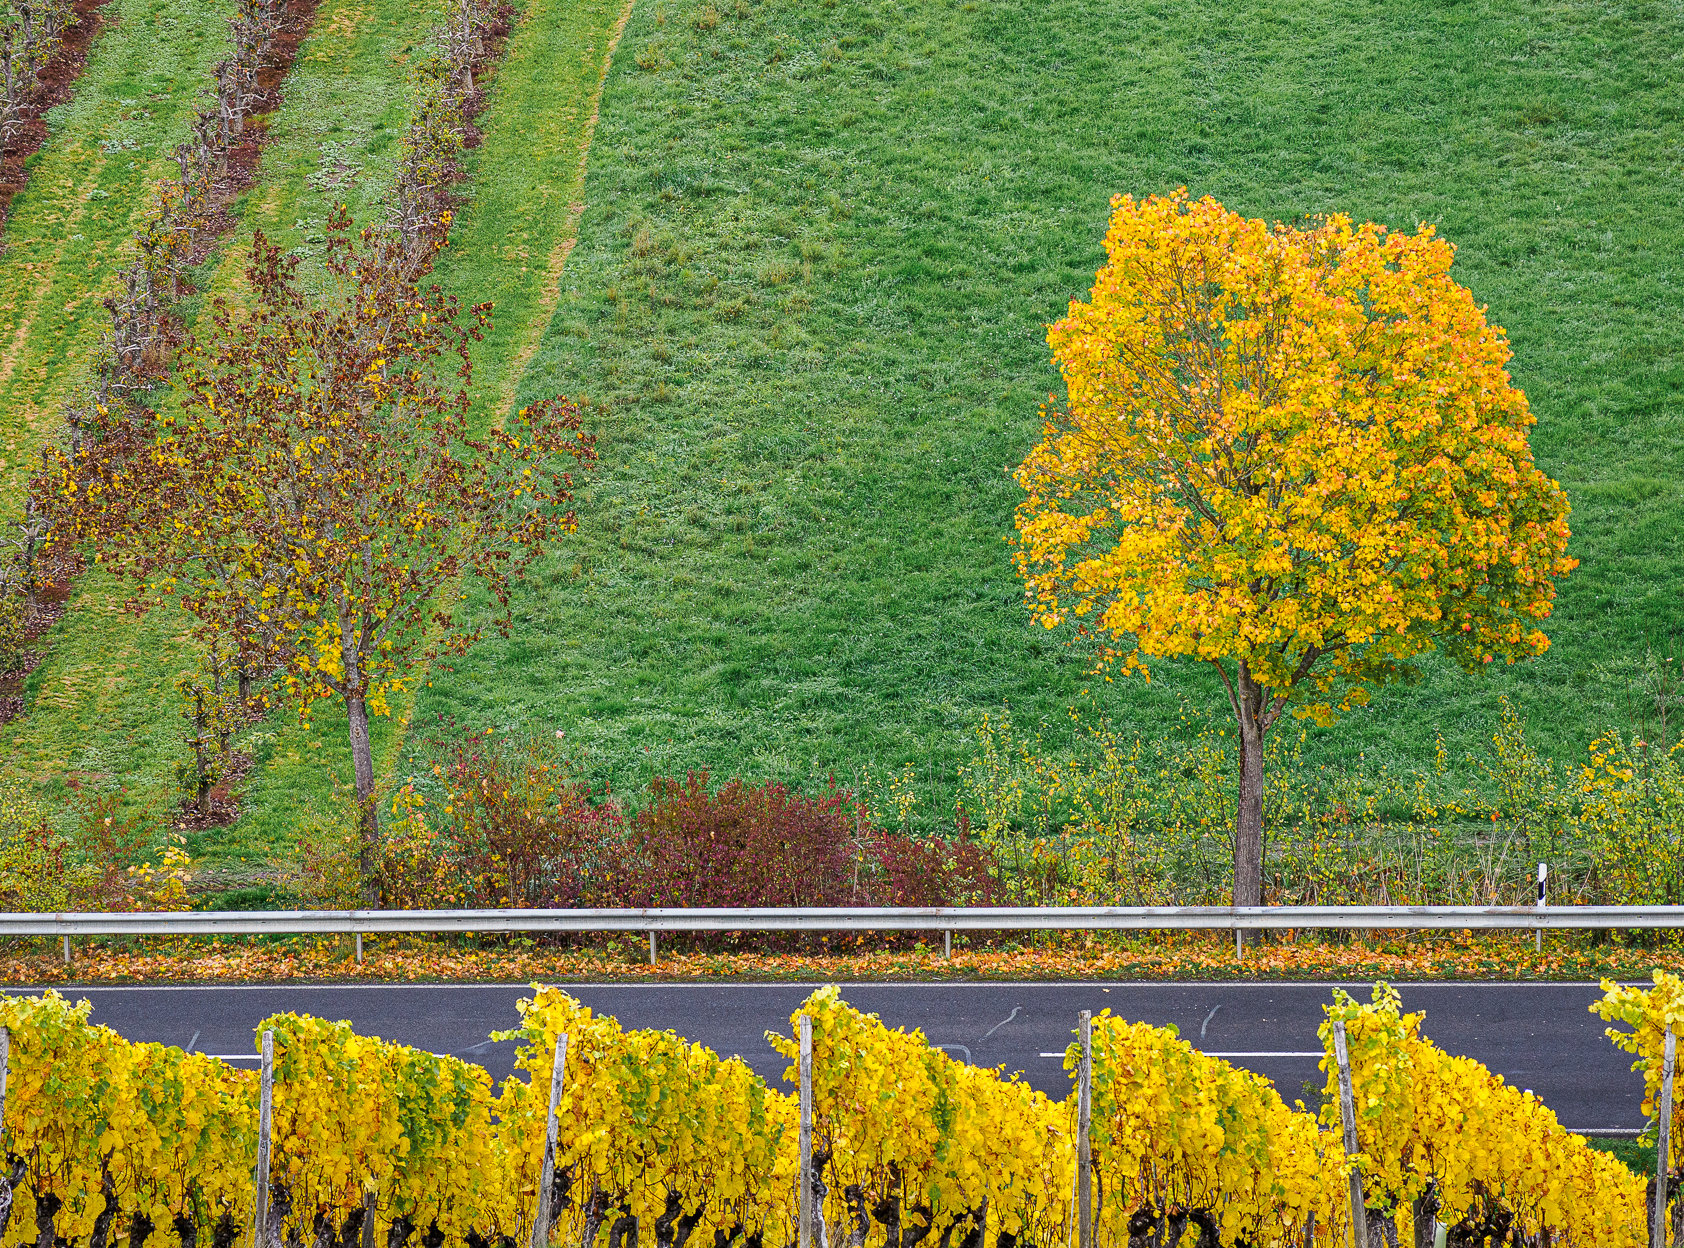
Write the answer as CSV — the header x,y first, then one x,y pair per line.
x,y
201,792
367,819
1248,820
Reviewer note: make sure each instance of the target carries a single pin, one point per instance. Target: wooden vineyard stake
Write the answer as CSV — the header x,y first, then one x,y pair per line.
x,y
1084,1159
552,1139
1663,1142
265,1120
1348,1115
5,1062
804,1138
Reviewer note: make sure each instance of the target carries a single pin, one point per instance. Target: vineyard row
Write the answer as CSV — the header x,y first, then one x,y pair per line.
x,y
636,1136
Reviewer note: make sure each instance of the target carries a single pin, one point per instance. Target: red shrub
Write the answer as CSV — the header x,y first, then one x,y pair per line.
x,y
516,830
521,833
742,846
915,871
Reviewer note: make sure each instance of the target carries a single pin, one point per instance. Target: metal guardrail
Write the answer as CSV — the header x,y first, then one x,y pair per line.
x,y
1237,919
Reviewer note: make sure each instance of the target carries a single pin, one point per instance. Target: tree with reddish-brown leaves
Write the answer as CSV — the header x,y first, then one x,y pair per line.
x,y
317,495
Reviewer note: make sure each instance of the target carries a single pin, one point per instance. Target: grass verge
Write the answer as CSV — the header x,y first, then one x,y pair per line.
x,y
1190,957
1639,1157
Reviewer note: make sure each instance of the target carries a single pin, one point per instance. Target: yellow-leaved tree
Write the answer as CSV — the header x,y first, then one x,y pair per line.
x,y
1294,454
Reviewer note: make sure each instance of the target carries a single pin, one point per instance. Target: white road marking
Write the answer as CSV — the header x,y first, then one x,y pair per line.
x,y
1306,1053
1008,1018
1208,1017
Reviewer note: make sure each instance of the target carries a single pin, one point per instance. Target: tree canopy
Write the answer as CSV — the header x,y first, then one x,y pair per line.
x,y
317,495
1293,453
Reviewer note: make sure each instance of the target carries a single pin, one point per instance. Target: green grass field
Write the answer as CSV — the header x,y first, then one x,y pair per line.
x,y
820,247
95,701
819,243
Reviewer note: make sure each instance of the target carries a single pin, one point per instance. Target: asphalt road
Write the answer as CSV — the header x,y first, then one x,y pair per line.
x,y
1537,1036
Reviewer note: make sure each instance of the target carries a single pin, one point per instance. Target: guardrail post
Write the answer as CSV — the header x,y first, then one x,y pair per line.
x,y
1348,1115
552,1138
265,1117
1084,1159
804,1137
651,947
359,948
67,950
947,942
1239,944
1663,1142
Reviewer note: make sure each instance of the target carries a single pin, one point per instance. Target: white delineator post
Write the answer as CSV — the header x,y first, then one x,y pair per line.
x,y
804,1137
552,1138
1348,1116
1543,879
265,1131
1084,1114
1663,1141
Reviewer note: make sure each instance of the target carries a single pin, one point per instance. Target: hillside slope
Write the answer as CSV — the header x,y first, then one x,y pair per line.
x,y
507,248
817,245
102,703
820,246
